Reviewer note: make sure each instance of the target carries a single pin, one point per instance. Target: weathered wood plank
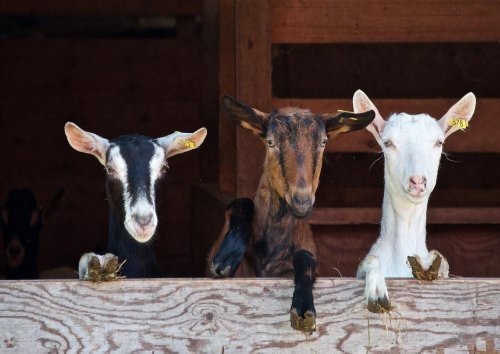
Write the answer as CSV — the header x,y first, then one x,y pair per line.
x,y
332,21
453,216
475,139
188,315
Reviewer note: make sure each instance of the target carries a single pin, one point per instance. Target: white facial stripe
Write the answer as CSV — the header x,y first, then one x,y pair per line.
x,y
142,206
116,161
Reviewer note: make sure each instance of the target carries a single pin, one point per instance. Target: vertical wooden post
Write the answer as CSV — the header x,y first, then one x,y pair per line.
x,y
253,85
227,82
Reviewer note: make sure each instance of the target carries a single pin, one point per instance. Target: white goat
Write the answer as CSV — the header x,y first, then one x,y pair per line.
x,y
412,147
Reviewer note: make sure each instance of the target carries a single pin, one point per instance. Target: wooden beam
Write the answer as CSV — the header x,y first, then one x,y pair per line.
x,y
227,86
359,216
333,21
244,315
253,85
476,138
101,8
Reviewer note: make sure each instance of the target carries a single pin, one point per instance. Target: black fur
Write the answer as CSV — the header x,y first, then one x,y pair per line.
x,y
304,264
137,151
235,243
21,233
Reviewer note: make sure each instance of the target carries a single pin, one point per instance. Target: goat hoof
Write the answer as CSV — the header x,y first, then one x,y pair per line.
x,y
219,271
98,268
306,324
420,273
380,305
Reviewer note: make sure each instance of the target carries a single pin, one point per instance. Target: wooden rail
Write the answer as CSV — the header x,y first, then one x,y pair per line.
x,y
359,216
244,315
333,21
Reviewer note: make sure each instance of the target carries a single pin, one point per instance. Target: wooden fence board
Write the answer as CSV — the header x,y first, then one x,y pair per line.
x,y
437,215
319,21
244,315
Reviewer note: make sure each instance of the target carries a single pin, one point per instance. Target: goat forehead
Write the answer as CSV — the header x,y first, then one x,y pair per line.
x,y
412,128
135,150
295,124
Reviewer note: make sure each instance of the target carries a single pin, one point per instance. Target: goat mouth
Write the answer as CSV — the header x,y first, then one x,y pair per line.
x,y
300,213
416,196
140,234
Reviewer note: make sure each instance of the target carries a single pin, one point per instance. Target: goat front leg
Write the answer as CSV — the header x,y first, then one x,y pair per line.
x,y
432,267
303,313
228,251
376,294
97,268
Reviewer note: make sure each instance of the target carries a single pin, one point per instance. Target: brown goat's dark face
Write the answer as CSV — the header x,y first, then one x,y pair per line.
x,y
295,140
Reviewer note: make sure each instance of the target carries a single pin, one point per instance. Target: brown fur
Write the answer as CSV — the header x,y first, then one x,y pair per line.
x,y
277,241
295,140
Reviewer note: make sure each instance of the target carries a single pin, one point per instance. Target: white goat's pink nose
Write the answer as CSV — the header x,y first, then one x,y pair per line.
x,y
418,183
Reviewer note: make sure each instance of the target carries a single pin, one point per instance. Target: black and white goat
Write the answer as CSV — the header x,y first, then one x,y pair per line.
x,y
134,164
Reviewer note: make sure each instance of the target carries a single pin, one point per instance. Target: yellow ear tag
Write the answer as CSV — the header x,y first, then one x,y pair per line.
x,y
458,123
189,144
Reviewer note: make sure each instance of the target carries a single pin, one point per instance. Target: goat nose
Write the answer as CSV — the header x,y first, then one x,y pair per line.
x,y
302,200
14,250
418,181
142,220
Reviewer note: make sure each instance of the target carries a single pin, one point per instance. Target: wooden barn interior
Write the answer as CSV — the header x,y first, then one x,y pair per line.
x,y
126,66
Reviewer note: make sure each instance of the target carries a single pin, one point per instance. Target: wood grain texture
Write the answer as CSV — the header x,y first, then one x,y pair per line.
x,y
331,21
207,316
474,139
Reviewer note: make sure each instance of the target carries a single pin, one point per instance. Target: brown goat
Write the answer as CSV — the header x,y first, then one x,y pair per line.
x,y
280,241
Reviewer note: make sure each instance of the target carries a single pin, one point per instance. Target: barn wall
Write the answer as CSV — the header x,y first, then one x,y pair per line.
x,y
111,85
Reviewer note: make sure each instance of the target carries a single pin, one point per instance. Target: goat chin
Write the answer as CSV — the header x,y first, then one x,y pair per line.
x,y
141,237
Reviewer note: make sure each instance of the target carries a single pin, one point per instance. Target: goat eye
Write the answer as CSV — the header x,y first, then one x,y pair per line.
x,y
271,143
388,144
323,143
163,170
439,143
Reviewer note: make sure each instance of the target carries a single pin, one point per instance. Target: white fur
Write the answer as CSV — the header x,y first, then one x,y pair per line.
x,y
412,149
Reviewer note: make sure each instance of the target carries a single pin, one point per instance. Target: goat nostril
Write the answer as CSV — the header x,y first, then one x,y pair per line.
x,y
14,250
142,220
301,200
418,180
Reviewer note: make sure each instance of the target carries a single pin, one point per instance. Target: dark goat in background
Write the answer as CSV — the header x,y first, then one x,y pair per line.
x,y
270,234
21,222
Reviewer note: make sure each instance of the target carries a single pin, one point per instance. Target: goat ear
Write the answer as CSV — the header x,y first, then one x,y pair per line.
x,y
245,116
86,142
362,103
463,110
178,143
55,203
346,122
